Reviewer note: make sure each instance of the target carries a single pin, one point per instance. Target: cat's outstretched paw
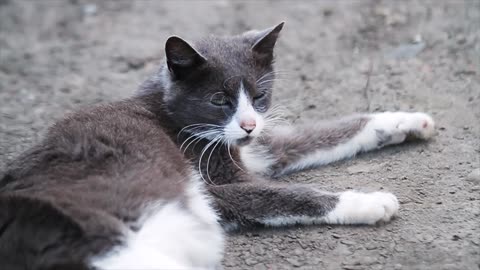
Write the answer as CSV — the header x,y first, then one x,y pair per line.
x,y
363,208
419,125
395,127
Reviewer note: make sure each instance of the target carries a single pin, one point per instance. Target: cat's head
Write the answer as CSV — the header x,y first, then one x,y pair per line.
x,y
221,87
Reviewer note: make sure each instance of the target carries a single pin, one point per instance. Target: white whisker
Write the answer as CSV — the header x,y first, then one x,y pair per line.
x,y
272,73
209,156
199,136
267,81
230,154
201,157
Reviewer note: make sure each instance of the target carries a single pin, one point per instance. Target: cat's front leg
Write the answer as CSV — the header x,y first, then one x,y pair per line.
x,y
249,204
292,148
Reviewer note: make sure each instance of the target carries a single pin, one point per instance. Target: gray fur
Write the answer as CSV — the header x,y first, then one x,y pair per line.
x,y
383,137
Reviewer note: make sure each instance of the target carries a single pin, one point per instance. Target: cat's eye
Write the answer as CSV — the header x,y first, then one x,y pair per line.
x,y
260,96
220,100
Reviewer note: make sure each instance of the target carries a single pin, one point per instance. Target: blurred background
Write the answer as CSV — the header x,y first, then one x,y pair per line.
x,y
338,57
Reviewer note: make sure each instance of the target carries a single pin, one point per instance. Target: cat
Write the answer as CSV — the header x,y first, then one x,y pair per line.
x,y
153,181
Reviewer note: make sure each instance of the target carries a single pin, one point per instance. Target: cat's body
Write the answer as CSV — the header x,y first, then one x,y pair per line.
x,y
146,183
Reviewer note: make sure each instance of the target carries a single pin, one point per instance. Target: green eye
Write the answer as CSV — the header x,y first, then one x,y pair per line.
x,y
219,100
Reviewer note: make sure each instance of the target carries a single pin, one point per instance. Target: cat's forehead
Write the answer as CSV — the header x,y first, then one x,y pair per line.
x,y
231,55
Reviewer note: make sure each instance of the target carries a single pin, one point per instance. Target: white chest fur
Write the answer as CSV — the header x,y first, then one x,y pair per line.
x,y
175,236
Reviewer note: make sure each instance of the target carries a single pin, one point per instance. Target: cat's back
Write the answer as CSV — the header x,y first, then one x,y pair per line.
x,y
122,129
100,140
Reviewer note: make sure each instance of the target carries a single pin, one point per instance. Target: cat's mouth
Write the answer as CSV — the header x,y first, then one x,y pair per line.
x,y
244,141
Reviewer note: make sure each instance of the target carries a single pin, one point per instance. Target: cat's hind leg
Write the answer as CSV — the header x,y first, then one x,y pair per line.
x,y
292,148
247,204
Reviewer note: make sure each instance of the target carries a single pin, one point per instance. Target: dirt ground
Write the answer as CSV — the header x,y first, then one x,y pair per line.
x,y
339,57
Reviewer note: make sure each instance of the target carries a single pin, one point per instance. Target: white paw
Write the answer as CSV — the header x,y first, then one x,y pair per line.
x,y
395,127
363,208
418,124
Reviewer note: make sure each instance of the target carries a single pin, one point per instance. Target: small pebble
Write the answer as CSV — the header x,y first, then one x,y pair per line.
x,y
327,12
90,9
230,263
250,261
277,240
347,242
461,39
294,262
298,251
260,266
258,250
474,176
367,260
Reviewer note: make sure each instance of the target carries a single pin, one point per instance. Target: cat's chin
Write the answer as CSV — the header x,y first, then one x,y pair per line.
x,y
243,141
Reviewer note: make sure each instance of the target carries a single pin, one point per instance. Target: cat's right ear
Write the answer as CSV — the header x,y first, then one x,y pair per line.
x,y
263,43
182,58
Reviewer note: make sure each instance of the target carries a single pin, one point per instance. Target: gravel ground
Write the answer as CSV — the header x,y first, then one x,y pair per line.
x,y
339,58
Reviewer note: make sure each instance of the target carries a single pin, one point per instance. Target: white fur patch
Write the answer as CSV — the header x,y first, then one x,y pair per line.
x,y
256,158
363,208
175,236
396,124
245,111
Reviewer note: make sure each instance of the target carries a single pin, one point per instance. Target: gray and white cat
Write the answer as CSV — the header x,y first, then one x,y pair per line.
x,y
149,182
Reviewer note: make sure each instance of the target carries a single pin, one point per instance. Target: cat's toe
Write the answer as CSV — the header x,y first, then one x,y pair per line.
x,y
377,207
428,127
390,205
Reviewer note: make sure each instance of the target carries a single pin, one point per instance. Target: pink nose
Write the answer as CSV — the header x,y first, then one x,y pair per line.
x,y
248,125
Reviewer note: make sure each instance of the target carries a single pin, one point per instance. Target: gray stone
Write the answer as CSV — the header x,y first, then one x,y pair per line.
x,y
295,262
250,261
260,266
474,176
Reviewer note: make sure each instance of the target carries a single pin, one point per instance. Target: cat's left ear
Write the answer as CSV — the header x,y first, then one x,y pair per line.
x,y
265,40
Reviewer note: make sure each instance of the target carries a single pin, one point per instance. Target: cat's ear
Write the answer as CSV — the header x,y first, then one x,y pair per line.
x,y
182,58
264,41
